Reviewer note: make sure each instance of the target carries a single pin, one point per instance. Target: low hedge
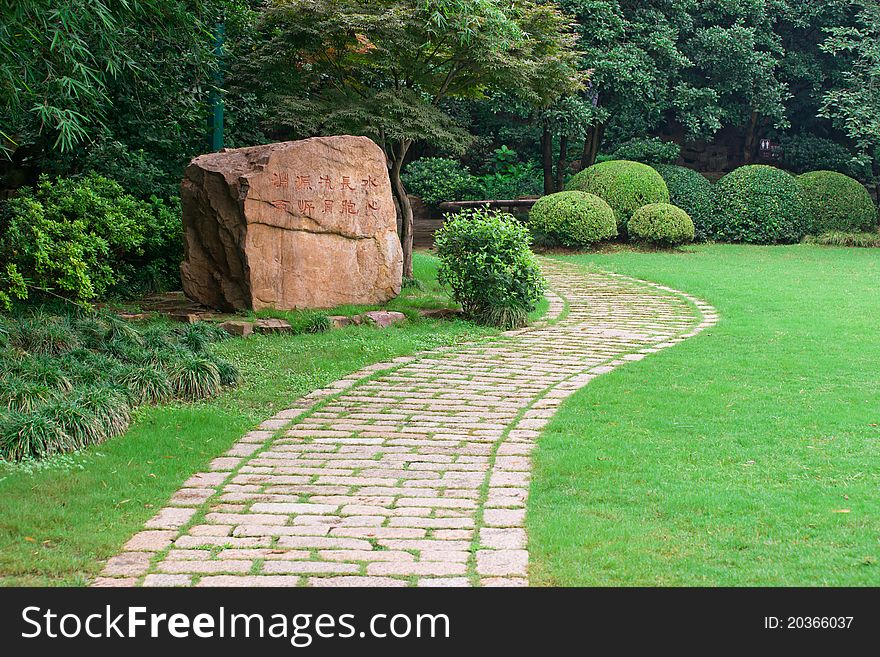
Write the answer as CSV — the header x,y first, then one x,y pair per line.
x,y
624,185
662,224
692,192
758,204
573,218
836,202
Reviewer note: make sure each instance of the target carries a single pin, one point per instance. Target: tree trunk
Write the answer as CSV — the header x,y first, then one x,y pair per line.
x,y
751,136
562,162
405,207
591,145
547,160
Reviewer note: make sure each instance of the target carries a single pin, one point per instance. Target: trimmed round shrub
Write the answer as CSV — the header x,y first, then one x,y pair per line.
x,y
836,202
758,204
692,192
624,185
661,223
486,260
573,218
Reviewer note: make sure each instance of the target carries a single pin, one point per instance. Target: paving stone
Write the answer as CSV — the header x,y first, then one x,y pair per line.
x,y
444,582
353,580
168,580
128,563
151,540
502,562
170,518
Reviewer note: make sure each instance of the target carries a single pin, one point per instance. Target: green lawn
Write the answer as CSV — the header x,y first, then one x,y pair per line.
x,y
748,455
61,518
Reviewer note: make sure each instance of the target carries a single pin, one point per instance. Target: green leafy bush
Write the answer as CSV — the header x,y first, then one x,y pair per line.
x,y
624,185
438,179
806,152
758,204
573,218
521,179
81,238
649,150
692,192
71,381
662,224
836,202
486,261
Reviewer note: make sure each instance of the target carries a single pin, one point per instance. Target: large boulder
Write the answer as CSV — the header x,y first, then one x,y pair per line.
x,y
298,224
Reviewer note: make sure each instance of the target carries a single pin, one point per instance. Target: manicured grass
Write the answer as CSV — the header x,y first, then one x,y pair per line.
x,y
61,518
748,455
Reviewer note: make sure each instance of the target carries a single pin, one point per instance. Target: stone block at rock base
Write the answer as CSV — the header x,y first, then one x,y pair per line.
x,y
303,224
384,318
272,326
241,329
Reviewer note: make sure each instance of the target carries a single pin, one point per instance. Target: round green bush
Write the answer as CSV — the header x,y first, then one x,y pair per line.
x,y
836,202
661,223
573,218
486,261
624,185
692,192
758,204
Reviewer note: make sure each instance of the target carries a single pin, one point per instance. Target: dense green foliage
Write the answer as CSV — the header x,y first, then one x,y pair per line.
x,y
758,204
82,238
648,151
836,202
692,192
573,218
625,186
806,152
486,261
437,179
661,224
70,381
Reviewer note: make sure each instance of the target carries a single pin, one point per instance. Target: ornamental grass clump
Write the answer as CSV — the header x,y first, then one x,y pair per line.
x,y
486,261
70,381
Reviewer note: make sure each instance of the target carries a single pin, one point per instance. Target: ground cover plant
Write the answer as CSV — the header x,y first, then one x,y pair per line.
x,y
743,456
64,515
72,380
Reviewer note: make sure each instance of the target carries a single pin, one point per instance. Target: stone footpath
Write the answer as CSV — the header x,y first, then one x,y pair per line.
x,y
411,472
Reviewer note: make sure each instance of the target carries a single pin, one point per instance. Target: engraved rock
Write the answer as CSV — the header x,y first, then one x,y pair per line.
x,y
301,224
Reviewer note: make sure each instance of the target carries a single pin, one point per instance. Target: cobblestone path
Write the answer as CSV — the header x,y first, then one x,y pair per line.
x,y
411,472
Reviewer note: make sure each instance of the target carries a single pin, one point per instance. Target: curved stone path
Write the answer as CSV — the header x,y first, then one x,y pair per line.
x,y
411,472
